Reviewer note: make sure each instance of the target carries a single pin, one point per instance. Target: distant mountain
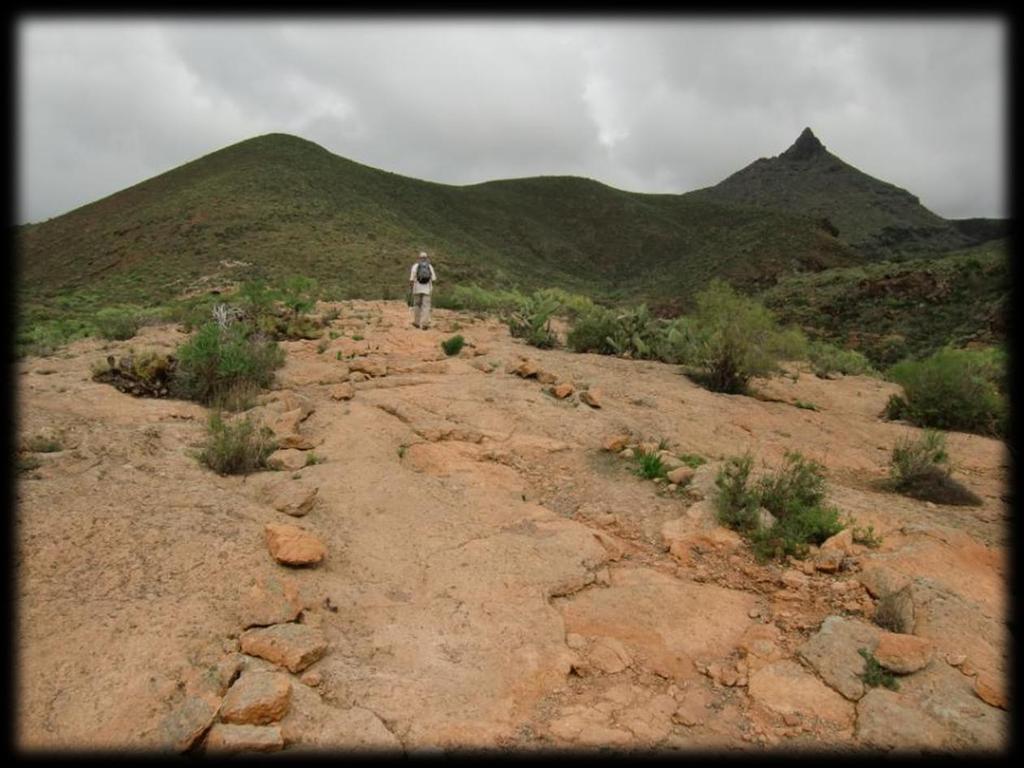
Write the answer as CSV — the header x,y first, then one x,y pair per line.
x,y
283,205
878,219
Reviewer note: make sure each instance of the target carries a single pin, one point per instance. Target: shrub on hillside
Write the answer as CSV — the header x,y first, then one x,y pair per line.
x,y
217,360
238,448
920,468
117,323
592,332
531,320
681,342
475,298
636,333
827,358
958,389
299,294
794,495
741,339
45,338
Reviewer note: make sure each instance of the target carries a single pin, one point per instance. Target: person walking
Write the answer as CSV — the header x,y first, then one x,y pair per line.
x,y
421,283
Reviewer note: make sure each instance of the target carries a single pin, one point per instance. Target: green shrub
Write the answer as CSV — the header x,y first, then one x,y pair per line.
x,y
649,465
875,674
742,339
920,468
216,360
257,300
531,320
453,345
958,389
299,294
475,298
692,460
867,537
44,338
682,341
236,449
117,323
795,497
27,463
827,358
42,444
592,332
635,334
894,612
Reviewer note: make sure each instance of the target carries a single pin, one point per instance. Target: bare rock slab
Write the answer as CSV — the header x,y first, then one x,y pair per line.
x,y
887,720
257,698
785,688
227,738
292,646
291,545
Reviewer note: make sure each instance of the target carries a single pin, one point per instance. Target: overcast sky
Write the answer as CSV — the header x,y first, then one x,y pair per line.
x,y
644,104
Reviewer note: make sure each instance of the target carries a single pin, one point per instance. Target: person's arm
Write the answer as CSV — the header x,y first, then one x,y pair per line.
x,y
433,274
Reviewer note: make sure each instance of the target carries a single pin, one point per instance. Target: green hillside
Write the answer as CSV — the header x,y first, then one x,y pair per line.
x,y
890,310
285,205
878,219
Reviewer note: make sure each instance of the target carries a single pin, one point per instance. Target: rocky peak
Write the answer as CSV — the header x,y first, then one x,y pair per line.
x,y
805,147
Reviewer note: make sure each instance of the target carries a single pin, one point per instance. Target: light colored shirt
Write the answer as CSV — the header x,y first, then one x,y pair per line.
x,y
418,287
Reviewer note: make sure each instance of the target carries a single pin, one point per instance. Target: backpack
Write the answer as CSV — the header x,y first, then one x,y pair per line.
x,y
423,272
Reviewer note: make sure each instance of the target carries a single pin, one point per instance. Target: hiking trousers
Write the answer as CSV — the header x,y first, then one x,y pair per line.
x,y
421,310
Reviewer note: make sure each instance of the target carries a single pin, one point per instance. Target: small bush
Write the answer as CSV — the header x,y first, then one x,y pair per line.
x,y
475,298
41,444
592,332
322,346
867,537
682,342
531,320
635,334
919,468
692,460
827,358
236,449
875,674
117,323
27,463
299,294
742,339
312,459
453,345
795,497
216,360
958,389
895,611
649,465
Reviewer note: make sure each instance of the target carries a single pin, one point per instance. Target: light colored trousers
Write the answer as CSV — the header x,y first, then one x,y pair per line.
x,y
421,309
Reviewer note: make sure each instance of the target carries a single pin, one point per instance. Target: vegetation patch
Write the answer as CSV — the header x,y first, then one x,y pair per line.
x,y
43,444
236,448
827,359
794,495
145,374
919,468
216,360
956,389
453,345
649,465
118,323
875,674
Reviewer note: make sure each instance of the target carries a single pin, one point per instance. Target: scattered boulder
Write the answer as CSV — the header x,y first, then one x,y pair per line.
x,y
289,459
562,391
546,377
293,498
344,391
680,475
880,580
828,560
293,646
272,601
842,541
257,698
903,654
293,546
991,690
369,366
188,722
526,369
592,397
225,738
615,443
834,653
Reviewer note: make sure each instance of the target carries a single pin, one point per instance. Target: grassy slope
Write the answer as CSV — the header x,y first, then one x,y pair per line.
x,y
286,205
892,309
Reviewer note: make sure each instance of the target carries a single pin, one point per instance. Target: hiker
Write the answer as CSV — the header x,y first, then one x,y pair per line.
x,y
421,283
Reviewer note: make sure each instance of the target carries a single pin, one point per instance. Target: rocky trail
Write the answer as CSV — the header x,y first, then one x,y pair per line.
x,y
466,561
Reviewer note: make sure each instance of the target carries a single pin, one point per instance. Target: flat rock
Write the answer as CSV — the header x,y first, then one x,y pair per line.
x,y
183,726
562,391
546,377
274,600
293,646
903,654
888,720
991,690
784,688
288,459
680,475
881,580
257,698
227,738
615,443
293,546
592,397
292,498
833,653
312,725
372,367
842,541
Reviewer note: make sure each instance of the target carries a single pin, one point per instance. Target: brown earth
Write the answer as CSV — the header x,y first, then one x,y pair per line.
x,y
493,578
